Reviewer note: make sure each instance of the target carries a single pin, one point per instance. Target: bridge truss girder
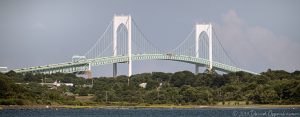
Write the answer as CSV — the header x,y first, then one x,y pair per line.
x,y
84,65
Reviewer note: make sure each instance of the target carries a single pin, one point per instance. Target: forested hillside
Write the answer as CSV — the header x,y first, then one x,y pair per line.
x,y
184,87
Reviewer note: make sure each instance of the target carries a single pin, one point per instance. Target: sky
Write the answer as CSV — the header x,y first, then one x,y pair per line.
x,y
257,34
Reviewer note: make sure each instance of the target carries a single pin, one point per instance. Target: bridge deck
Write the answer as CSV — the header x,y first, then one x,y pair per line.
x,y
83,65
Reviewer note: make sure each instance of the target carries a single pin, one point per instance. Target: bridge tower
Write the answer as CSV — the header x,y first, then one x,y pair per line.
x,y
126,21
206,28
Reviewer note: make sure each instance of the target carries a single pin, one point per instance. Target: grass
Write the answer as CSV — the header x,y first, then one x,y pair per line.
x,y
184,106
116,105
84,98
234,103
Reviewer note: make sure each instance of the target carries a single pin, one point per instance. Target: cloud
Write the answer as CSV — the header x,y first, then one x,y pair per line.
x,y
255,47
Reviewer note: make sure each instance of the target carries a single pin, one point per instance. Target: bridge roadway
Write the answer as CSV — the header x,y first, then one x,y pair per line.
x,y
84,65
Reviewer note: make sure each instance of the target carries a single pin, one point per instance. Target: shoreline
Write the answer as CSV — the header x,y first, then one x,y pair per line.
x,y
158,106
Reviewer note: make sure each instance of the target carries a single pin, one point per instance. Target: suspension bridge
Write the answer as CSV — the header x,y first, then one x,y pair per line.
x,y
124,42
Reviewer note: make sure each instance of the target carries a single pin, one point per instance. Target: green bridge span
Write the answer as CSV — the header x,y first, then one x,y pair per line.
x,y
85,65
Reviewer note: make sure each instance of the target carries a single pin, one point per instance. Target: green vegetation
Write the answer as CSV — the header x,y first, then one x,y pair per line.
x,y
180,88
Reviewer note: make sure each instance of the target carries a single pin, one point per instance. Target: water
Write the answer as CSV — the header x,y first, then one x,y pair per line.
x,y
276,112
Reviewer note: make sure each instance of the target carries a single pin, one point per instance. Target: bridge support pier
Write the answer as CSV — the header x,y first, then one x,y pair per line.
x,y
88,74
115,70
196,69
89,71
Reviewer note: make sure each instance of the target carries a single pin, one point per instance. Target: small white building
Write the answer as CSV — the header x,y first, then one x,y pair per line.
x,y
57,84
143,85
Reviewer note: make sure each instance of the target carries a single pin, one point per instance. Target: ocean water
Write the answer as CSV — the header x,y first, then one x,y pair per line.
x,y
276,112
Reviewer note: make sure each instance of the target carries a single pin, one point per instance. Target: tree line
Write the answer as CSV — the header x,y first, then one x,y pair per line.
x,y
183,87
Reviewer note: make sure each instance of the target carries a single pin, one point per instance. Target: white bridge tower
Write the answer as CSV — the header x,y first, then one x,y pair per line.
x,y
126,21
206,28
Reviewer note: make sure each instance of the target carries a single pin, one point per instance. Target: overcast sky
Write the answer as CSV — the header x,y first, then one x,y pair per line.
x,y
258,34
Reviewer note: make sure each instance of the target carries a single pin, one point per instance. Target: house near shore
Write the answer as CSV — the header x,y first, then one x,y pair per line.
x,y
57,84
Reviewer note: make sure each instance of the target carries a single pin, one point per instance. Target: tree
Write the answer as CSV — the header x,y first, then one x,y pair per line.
x,y
160,76
231,92
152,85
189,93
83,91
172,94
263,95
179,79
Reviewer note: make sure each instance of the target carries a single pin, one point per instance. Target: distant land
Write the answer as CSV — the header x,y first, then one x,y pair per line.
x,y
183,89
